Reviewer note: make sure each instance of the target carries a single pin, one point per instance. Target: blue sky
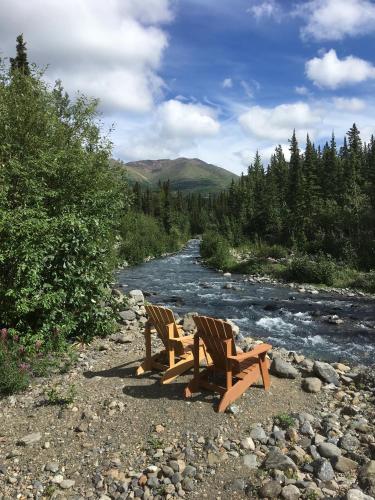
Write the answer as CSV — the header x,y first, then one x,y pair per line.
x,y
214,79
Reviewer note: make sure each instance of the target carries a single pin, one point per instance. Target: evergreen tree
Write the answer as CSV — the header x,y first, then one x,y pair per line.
x,y
20,62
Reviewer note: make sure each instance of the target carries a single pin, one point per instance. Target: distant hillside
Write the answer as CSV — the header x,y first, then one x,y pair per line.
x,y
184,174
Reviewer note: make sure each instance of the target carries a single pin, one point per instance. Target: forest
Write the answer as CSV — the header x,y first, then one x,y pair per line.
x,y
318,207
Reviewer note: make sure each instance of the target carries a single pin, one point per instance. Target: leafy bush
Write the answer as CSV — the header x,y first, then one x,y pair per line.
x,y
216,251
59,206
305,270
144,236
274,251
364,281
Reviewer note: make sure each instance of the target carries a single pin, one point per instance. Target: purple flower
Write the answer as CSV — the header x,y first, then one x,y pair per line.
x,y
24,367
3,334
21,350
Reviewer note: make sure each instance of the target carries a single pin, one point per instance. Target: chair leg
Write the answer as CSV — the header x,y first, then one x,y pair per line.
x,y
193,385
263,366
176,370
237,390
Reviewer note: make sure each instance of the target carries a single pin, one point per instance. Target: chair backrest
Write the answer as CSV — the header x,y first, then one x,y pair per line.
x,y
160,317
214,332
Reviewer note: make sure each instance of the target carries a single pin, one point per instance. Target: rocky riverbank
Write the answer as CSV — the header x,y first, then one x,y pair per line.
x,y
118,436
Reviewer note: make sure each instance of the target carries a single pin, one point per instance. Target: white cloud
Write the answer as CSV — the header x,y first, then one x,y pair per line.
x,y
331,72
111,50
174,127
227,83
187,120
277,123
302,90
335,19
349,104
266,8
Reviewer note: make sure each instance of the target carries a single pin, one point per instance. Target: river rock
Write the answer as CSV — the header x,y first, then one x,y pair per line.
x,y
357,495
277,460
271,489
366,477
349,442
188,322
248,444
258,434
67,484
283,369
128,315
329,450
137,296
290,492
326,372
311,384
323,470
250,461
344,464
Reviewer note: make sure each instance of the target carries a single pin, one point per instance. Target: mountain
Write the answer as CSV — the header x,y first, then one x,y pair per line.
x,y
184,174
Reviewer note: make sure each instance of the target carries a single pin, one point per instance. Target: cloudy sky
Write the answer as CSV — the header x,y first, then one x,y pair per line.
x,y
214,79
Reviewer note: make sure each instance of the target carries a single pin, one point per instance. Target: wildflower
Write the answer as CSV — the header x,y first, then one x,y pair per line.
x,y
3,334
38,345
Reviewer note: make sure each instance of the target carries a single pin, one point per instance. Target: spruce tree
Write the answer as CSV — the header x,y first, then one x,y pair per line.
x,y
20,62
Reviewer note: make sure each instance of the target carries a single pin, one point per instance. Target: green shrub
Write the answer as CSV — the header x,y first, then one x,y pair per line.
x,y
144,236
364,281
264,250
216,251
59,206
305,270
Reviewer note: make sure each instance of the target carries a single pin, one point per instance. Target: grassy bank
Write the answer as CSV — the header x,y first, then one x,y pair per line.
x,y
283,264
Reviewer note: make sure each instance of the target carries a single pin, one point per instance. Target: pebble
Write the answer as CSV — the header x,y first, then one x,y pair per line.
x,y
30,439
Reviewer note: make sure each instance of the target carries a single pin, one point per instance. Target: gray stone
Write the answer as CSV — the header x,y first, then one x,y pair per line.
x,y
30,439
187,484
306,429
250,461
189,324
137,295
271,489
67,484
357,495
235,485
366,477
248,444
258,434
152,482
176,478
167,471
276,460
349,442
52,467
290,492
326,372
323,470
344,464
189,471
128,315
233,409
329,450
311,384
283,369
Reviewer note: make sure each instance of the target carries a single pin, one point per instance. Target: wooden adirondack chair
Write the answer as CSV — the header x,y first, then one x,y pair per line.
x,y
177,357
240,370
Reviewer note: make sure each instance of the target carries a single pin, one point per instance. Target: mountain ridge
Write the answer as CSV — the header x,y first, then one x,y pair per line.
x,y
184,174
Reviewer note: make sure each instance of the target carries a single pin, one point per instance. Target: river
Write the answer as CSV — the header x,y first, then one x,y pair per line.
x,y
280,315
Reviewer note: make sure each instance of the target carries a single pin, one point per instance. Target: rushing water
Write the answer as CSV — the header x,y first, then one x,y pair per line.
x,y
280,315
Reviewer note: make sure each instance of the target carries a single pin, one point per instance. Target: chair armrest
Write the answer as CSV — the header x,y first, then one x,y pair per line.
x,y
259,349
187,339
